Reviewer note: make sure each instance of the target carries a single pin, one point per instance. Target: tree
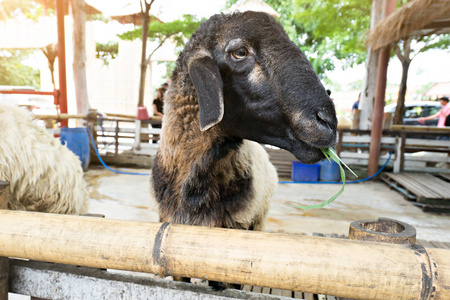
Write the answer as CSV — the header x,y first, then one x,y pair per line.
x,y
178,31
325,31
107,52
79,56
14,72
406,50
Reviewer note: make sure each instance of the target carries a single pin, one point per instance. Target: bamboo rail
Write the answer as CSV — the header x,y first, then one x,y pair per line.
x,y
345,268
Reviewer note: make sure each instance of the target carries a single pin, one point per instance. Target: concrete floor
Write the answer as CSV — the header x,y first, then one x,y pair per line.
x,y
127,197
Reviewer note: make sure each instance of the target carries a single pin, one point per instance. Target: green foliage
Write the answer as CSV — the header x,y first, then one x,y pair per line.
x,y
325,30
31,9
333,29
179,30
441,42
107,52
14,72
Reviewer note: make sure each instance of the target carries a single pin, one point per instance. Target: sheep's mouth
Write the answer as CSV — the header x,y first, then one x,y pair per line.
x,y
310,152
306,153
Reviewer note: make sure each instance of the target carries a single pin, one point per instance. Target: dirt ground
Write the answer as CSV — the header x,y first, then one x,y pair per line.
x,y
127,197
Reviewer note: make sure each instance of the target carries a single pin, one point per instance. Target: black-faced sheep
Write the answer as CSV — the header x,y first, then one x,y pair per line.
x,y
43,174
238,79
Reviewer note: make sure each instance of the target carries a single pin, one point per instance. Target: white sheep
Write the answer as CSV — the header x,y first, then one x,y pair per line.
x,y
43,174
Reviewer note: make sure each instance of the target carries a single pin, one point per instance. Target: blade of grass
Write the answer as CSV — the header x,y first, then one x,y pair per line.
x,y
337,159
325,152
330,153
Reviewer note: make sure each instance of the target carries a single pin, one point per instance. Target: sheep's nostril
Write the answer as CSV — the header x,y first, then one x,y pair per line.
x,y
328,119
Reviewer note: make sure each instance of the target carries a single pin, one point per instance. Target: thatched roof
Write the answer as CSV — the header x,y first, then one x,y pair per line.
x,y
416,18
134,18
254,5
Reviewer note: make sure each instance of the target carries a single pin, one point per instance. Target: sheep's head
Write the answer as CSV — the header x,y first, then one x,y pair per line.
x,y
254,83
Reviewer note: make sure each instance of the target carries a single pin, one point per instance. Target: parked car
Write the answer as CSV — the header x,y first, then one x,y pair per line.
x,y
415,110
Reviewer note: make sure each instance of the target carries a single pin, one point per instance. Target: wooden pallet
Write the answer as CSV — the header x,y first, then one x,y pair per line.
x,y
282,160
427,189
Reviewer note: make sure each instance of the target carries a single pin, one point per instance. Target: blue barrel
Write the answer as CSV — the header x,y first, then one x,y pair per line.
x,y
329,171
305,172
77,140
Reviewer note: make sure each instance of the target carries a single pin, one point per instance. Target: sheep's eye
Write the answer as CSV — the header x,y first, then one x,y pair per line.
x,y
240,53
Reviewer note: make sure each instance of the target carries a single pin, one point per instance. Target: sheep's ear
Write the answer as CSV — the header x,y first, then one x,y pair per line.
x,y
208,84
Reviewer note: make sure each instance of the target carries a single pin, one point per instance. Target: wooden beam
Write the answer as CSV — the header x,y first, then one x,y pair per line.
x,y
377,123
61,60
343,268
4,263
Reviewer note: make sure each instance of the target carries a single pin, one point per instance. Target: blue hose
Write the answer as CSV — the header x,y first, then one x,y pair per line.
x,y
105,165
281,182
346,182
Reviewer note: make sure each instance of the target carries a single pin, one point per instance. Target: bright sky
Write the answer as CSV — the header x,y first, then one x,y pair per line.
x,y
166,10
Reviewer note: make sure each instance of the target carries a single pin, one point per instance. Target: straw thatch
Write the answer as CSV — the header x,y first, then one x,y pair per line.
x,y
254,5
134,18
416,18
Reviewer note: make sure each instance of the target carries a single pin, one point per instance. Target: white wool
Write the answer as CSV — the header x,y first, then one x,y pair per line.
x,y
265,180
43,174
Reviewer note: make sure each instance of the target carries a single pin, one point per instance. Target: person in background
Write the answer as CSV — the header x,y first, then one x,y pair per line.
x,y
329,95
165,87
356,104
443,114
158,103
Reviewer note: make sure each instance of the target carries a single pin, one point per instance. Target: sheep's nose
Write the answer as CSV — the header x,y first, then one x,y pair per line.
x,y
327,119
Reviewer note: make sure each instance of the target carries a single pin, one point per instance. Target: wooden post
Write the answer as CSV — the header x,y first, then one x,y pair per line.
x,y
343,268
137,136
62,60
116,136
355,121
401,155
339,143
387,122
377,122
369,82
4,261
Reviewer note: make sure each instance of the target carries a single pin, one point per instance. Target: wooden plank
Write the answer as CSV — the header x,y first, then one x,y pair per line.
x,y
425,243
275,292
404,182
433,185
427,143
286,293
257,289
298,295
4,262
412,128
412,185
308,296
247,288
366,139
445,176
440,245
266,290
